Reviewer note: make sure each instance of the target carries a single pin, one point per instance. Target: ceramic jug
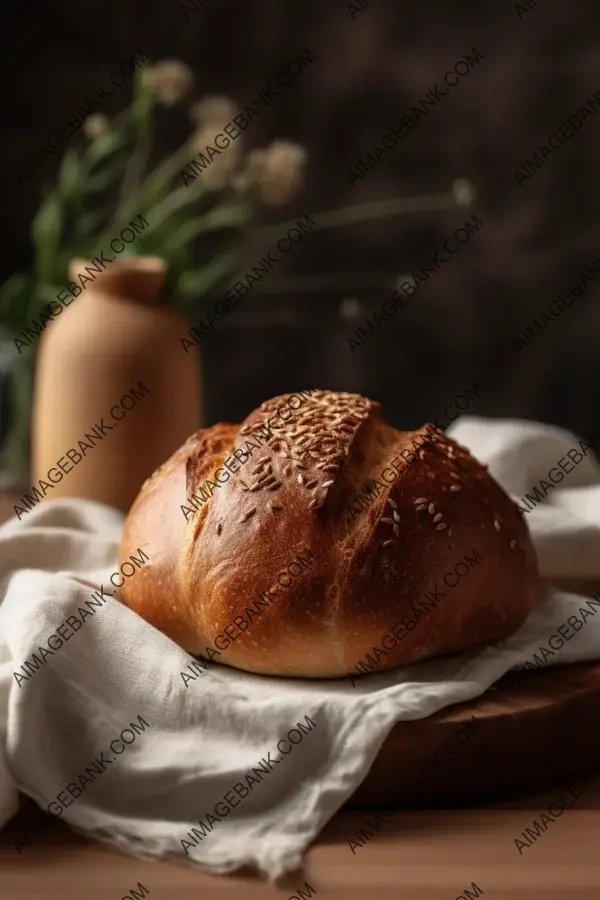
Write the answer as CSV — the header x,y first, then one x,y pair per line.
x,y
115,392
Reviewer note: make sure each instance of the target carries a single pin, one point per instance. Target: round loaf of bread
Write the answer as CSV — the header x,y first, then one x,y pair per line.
x,y
315,540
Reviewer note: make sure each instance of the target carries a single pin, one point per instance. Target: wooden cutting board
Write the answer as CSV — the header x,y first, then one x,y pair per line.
x,y
533,730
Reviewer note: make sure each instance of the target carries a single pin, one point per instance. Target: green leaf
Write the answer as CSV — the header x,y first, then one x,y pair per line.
x,y
158,184
15,295
70,175
181,234
172,203
41,294
167,233
46,292
179,262
89,222
100,181
235,214
197,283
108,143
47,229
104,176
142,101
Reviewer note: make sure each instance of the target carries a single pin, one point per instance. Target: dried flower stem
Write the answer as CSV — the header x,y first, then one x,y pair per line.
x,y
141,109
361,212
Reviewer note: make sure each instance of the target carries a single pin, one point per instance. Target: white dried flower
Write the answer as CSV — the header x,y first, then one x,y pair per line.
x,y
350,308
274,172
213,110
221,165
463,192
241,183
403,279
169,80
95,125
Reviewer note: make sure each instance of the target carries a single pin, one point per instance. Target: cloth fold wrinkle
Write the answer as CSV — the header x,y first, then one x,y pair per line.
x,y
204,737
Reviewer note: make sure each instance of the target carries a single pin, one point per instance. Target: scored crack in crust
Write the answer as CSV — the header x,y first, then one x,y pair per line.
x,y
317,440
371,564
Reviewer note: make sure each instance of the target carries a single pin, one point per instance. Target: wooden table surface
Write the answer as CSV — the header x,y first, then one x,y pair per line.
x,y
426,855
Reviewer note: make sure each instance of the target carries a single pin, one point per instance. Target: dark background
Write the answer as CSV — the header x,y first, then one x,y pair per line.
x,y
461,326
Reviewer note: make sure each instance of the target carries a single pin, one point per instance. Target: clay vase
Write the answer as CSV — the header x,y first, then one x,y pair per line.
x,y
113,375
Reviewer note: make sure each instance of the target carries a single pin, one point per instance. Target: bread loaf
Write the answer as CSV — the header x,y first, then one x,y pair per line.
x,y
304,545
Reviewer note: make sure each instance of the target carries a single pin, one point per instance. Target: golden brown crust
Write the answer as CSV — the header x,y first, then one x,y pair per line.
x,y
375,560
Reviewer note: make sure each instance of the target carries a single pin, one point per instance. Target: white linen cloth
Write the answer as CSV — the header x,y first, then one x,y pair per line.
x,y
203,738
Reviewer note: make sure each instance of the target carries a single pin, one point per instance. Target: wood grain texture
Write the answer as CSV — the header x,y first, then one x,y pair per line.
x,y
532,730
431,855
